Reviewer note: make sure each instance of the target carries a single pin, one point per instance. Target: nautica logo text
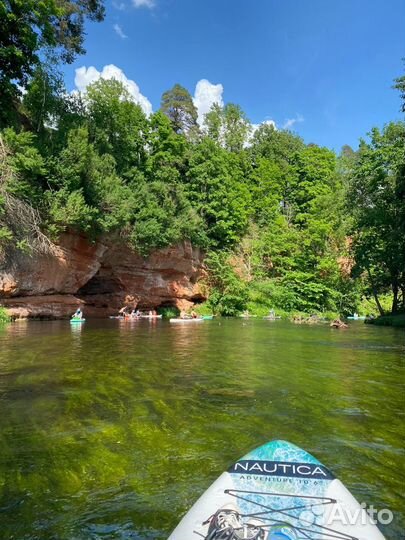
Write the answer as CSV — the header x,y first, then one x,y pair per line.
x,y
278,468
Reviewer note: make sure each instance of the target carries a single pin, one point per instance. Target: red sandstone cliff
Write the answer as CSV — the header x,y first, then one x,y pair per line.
x,y
100,277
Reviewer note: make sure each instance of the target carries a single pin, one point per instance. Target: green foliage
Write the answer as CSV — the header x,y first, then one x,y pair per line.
x,y
168,312
266,186
167,156
29,28
42,100
5,235
315,169
3,315
203,309
228,293
27,167
163,216
278,146
400,85
269,294
228,126
377,199
309,294
177,104
397,321
218,192
117,126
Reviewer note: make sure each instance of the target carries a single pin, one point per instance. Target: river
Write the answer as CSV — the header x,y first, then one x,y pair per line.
x,y
110,430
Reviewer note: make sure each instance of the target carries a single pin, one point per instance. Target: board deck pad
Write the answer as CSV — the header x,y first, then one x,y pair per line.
x,y
279,483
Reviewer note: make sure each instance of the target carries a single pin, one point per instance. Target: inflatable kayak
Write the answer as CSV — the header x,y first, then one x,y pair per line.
x,y
277,492
185,321
76,320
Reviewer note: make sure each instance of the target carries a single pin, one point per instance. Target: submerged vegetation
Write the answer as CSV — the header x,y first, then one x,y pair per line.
x,y
285,224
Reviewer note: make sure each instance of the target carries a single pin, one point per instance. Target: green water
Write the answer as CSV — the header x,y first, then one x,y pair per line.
x,y
112,429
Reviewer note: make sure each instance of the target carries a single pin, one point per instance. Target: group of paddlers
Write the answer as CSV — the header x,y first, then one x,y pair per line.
x,y
125,312
133,313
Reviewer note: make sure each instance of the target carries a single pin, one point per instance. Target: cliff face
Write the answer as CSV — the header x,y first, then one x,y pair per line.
x,y
100,277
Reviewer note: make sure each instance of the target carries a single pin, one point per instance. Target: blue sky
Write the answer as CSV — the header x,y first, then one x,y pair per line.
x,y
323,67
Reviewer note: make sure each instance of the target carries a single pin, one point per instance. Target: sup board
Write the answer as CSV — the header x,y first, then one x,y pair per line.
x,y
77,320
150,316
358,318
184,321
289,492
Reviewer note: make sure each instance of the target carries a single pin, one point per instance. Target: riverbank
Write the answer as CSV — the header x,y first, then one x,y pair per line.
x,y
398,321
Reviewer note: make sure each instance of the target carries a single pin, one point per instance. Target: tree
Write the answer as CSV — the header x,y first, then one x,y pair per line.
x,y
22,175
42,101
228,126
213,123
28,30
117,125
316,168
266,181
277,145
228,293
85,191
236,127
400,85
377,200
162,215
219,193
177,104
166,160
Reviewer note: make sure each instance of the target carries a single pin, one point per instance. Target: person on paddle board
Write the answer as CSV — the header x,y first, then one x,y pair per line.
x,y
78,314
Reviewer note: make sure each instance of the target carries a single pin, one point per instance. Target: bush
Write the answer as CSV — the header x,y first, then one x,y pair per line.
x,y
228,292
168,312
3,316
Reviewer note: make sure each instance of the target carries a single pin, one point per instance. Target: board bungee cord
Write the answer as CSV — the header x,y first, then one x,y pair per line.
x,y
297,502
327,533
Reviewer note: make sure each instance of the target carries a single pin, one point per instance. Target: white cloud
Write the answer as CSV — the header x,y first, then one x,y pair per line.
x,y
265,123
205,95
119,5
119,31
291,121
255,127
144,3
85,76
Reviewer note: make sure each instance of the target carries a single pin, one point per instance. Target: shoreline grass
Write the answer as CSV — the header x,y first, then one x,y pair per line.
x,y
397,321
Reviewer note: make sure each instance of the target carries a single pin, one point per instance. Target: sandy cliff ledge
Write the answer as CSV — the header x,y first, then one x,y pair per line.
x,y
100,277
